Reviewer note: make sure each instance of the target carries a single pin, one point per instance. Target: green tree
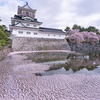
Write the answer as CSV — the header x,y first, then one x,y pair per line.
x,y
75,26
82,29
67,28
89,29
93,29
4,40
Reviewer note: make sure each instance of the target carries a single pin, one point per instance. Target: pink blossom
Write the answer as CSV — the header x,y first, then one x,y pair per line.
x,y
70,31
76,36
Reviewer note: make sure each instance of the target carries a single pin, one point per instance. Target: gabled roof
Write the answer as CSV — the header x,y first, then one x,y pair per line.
x,y
18,17
19,24
51,30
27,7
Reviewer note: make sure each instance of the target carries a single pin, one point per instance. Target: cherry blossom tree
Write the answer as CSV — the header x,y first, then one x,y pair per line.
x,y
78,37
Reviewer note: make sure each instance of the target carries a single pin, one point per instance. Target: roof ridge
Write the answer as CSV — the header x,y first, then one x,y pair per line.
x,y
50,28
27,5
20,23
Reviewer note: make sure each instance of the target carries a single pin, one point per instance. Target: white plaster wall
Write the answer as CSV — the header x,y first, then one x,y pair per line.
x,y
24,12
39,34
31,25
19,25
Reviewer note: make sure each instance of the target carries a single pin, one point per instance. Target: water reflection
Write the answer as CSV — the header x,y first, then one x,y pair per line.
x,y
65,63
77,63
41,57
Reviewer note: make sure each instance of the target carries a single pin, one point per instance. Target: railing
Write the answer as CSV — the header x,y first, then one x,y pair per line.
x,y
27,15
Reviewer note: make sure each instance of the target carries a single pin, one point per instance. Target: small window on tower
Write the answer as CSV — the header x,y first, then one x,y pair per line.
x,y
30,13
27,13
48,34
35,33
28,32
34,25
28,24
23,12
54,35
20,32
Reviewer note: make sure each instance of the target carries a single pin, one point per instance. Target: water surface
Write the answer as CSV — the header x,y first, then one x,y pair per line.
x,y
66,63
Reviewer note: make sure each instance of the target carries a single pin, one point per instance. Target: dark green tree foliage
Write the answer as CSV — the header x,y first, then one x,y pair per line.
x,y
76,27
81,29
67,28
4,40
92,29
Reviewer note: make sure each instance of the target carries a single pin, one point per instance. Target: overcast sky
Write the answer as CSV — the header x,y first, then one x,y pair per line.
x,y
56,13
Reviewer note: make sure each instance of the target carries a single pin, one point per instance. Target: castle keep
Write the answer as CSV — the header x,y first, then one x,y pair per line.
x,y
28,35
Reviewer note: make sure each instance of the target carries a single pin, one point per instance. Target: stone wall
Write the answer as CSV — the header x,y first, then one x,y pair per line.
x,y
4,52
84,47
32,44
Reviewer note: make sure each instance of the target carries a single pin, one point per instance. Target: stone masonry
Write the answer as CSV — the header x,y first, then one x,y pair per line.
x,y
32,44
4,51
85,47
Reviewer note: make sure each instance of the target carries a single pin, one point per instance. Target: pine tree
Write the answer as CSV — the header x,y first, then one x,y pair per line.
x,y
4,40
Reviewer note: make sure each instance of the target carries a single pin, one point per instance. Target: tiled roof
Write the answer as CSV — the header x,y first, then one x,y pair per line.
x,y
19,23
20,18
9,32
17,17
27,6
51,30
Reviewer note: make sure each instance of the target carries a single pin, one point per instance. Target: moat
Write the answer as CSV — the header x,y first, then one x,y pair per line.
x,y
52,75
67,63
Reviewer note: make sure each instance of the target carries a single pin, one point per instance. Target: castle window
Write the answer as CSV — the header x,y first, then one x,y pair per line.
x,y
20,32
27,13
28,24
48,34
28,32
34,25
35,33
59,35
54,35
30,13
23,12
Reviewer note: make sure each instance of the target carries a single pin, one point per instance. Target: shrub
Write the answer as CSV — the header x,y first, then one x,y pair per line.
x,y
4,40
10,47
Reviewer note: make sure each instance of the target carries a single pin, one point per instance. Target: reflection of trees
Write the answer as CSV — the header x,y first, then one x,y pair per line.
x,y
56,67
74,62
95,55
77,63
75,69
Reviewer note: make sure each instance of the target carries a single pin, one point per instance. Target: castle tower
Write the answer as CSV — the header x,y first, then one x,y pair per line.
x,y
26,11
24,26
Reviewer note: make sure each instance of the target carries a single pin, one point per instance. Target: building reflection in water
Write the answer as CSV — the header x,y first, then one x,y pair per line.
x,y
68,62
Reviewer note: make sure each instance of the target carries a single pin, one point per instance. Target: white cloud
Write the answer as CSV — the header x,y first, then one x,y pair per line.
x,y
56,13
8,9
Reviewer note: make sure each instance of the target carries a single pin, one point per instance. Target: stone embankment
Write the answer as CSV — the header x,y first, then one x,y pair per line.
x,y
33,44
4,52
84,47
